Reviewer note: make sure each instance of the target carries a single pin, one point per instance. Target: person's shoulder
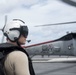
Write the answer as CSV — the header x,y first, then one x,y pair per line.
x,y
17,55
16,58
16,52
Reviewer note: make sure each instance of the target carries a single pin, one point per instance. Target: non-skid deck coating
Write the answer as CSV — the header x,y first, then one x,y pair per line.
x,y
54,68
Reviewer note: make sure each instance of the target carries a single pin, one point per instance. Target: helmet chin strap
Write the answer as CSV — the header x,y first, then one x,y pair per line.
x,y
18,43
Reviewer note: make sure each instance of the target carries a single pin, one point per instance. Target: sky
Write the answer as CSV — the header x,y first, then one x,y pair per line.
x,y
39,12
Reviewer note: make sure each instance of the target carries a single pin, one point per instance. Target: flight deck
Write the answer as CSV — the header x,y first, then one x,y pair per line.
x,y
55,65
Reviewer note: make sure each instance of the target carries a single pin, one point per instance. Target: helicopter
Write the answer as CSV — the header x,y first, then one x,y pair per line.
x,y
64,45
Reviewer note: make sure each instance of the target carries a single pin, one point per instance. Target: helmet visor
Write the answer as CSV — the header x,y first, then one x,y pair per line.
x,y
24,31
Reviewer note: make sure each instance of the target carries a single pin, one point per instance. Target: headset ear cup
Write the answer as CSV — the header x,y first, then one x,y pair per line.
x,y
13,35
5,34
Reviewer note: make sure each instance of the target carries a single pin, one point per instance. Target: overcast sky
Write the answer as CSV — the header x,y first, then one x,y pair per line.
x,y
40,12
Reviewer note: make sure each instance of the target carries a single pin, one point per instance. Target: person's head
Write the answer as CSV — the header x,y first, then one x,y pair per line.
x,y
16,31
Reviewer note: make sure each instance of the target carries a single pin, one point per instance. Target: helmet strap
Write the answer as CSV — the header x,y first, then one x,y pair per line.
x,y
18,43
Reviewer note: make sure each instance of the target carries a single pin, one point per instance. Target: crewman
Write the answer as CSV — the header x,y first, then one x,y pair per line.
x,y
17,60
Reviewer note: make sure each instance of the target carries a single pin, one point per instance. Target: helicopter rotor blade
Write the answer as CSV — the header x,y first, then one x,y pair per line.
x,y
5,22
3,28
70,2
56,24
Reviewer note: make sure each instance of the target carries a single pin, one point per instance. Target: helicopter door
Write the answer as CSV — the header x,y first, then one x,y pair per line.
x,y
68,48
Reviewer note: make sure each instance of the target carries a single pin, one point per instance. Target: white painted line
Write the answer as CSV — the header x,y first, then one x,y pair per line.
x,y
57,60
